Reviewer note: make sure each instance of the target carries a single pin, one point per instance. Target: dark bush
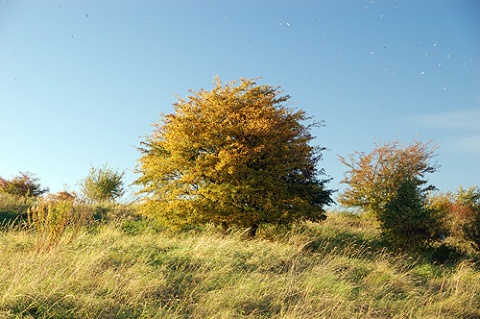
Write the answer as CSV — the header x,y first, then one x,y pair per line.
x,y
472,230
444,253
406,222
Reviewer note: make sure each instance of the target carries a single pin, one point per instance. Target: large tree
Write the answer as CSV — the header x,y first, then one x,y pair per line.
x,y
235,155
374,179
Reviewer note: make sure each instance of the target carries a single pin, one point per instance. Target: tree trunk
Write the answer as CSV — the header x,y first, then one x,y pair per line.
x,y
224,228
252,232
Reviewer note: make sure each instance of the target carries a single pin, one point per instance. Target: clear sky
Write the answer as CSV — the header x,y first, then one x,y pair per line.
x,y
81,82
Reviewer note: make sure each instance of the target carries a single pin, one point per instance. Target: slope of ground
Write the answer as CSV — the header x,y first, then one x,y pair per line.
x,y
337,269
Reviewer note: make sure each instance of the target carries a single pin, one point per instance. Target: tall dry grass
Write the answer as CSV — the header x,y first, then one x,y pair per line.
x,y
133,269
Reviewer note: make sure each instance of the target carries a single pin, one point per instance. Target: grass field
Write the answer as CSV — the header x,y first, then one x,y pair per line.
x,y
133,269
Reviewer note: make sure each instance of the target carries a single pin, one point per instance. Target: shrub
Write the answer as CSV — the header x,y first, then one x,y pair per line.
x,y
62,196
52,219
444,253
406,223
373,179
472,230
469,199
23,185
14,209
462,214
103,185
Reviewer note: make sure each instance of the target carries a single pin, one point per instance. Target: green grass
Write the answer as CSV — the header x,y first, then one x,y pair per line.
x,y
133,269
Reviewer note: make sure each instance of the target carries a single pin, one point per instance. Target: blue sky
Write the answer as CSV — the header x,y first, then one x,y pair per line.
x,y
81,82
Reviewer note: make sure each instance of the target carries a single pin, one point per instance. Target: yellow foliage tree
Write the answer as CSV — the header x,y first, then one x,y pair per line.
x,y
234,155
374,179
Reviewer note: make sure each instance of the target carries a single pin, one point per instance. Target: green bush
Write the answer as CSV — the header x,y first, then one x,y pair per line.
x,y
103,185
13,209
106,212
406,222
444,253
137,226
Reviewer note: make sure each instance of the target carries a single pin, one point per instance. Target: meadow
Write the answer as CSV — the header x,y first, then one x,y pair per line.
x,y
129,267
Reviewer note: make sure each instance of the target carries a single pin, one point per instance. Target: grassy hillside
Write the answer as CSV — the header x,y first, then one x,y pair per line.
x,y
131,269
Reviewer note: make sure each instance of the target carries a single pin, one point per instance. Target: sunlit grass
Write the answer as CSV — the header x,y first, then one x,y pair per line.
x,y
134,269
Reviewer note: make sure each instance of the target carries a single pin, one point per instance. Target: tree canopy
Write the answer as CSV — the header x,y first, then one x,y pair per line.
x,y
373,179
24,184
103,184
235,155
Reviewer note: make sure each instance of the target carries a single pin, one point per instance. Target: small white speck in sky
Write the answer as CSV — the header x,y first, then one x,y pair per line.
x,y
422,73
288,24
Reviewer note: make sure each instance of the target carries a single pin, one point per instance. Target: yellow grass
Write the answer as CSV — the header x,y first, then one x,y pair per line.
x,y
337,269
